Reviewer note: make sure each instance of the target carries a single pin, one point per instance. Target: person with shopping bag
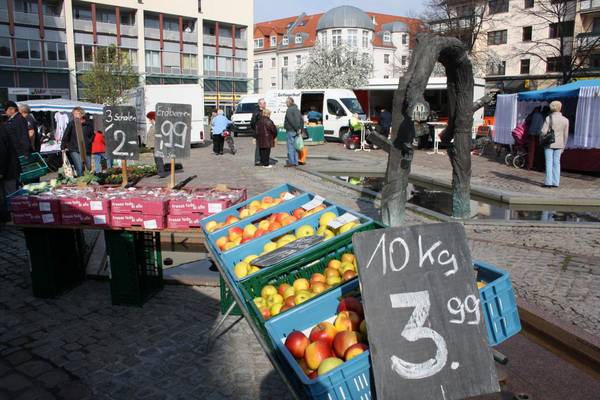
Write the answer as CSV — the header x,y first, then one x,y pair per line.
x,y
293,125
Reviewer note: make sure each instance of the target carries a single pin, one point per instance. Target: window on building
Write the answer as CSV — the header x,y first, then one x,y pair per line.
x,y
562,29
127,17
528,4
554,64
273,62
404,60
285,41
352,38
298,38
4,6
298,60
497,37
171,24
153,58
596,25
273,41
285,61
323,38
35,49
26,6
22,48
259,43
258,64
497,6
365,39
525,66
336,37
527,33
190,62
82,12
386,77
273,82
106,15
386,58
387,37
404,38
496,68
5,48
210,63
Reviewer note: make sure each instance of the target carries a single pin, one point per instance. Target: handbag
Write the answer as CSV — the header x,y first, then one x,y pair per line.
x,y
68,171
298,143
549,138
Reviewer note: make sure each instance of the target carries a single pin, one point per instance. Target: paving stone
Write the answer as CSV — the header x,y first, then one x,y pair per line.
x,y
18,357
34,368
14,382
54,378
36,393
74,391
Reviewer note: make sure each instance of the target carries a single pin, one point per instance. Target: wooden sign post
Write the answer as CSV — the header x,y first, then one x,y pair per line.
x,y
425,324
120,136
81,143
173,133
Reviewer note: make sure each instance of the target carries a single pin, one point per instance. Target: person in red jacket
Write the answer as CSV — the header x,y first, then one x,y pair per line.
x,y
98,150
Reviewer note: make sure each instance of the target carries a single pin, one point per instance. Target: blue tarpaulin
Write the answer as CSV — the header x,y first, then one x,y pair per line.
x,y
558,92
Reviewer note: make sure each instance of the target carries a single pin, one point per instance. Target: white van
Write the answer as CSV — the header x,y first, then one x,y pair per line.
x,y
243,114
336,106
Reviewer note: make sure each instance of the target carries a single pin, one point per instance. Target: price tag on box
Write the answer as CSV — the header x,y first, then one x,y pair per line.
x,y
44,206
150,224
342,220
99,219
214,208
96,205
47,218
314,203
288,196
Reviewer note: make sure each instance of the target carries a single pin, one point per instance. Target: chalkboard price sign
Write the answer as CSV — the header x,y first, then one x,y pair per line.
x,y
120,133
426,329
173,130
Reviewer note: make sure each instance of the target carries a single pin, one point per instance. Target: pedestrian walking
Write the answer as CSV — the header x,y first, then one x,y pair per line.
x,y
266,132
10,169
32,127
535,122
558,126
219,124
293,124
71,145
16,127
385,121
98,152
151,144
262,104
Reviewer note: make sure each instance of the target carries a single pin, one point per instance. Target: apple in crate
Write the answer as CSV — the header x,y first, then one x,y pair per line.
x,y
221,242
351,304
299,213
328,364
282,288
355,350
249,231
343,341
316,352
317,277
296,343
235,233
323,331
304,231
319,287
267,291
347,321
231,220
302,296
301,284
211,226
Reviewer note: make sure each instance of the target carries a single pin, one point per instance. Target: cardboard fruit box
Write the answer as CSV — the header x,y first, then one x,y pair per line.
x,y
36,218
136,219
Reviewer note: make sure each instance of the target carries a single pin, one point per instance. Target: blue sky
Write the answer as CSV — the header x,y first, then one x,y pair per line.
x,y
265,10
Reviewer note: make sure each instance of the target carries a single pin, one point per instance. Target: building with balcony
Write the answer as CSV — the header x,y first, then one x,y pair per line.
x,y
46,45
281,47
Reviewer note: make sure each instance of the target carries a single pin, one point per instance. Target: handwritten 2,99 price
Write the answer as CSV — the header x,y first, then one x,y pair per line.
x,y
173,130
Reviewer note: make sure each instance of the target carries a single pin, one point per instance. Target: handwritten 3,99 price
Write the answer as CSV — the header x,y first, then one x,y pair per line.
x,y
173,125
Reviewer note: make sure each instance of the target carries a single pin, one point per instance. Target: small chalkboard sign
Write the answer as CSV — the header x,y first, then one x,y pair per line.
x,y
425,322
287,251
120,133
173,130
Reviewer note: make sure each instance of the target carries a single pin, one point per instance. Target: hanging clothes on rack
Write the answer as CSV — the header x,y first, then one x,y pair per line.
x,y
62,120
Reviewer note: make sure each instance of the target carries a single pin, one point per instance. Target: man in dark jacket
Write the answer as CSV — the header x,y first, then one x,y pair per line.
x,y
262,104
10,169
385,121
534,121
293,125
70,143
17,129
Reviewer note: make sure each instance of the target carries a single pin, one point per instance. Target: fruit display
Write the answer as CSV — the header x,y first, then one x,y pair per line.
x,y
249,210
265,225
331,343
300,290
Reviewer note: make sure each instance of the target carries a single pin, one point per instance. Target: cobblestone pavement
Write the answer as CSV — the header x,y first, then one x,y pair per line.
x,y
79,346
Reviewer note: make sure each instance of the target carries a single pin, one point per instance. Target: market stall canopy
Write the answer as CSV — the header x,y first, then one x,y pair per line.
x,y
558,92
64,105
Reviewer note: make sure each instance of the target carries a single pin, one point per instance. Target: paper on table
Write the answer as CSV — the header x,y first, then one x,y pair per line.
x,y
342,220
215,207
44,206
96,206
150,224
47,218
99,219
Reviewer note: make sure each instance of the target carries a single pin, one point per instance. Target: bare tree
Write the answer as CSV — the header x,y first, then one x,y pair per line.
x,y
568,54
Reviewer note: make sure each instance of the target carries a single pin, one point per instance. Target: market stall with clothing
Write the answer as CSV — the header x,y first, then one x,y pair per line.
x,y
580,104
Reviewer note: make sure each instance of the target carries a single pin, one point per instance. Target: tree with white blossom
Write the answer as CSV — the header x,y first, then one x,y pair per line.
x,y
339,66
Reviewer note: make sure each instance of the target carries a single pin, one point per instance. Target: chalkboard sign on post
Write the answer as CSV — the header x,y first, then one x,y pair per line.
x,y
120,135
424,320
173,133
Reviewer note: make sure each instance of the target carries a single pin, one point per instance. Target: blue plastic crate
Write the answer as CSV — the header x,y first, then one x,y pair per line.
x,y
234,210
237,254
498,302
32,168
287,207
351,380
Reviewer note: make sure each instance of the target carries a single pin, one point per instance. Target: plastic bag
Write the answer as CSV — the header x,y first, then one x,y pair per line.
x,y
298,143
68,171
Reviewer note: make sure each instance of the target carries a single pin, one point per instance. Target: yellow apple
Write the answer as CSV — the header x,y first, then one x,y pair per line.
x,y
347,266
241,269
269,246
301,284
334,280
244,213
264,224
334,264
248,259
260,302
275,299
304,231
346,227
276,309
267,291
302,296
326,218
289,292
348,257
211,226
253,269
249,231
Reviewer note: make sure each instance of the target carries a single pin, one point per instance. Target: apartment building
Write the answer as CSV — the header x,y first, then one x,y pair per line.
x,y
46,45
282,47
520,42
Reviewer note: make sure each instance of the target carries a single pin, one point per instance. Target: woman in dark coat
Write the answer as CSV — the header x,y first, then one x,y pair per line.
x,y
266,132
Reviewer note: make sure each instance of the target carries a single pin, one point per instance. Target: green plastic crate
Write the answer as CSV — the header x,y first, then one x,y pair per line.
x,y
32,168
135,266
56,258
227,298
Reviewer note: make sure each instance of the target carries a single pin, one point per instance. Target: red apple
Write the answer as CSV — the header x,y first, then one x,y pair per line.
x,y
260,232
316,352
284,308
281,289
290,301
265,312
351,304
347,321
318,287
313,375
235,233
355,350
304,367
323,331
346,276
296,343
317,277
299,213
343,341
274,226
279,217
231,219
221,242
